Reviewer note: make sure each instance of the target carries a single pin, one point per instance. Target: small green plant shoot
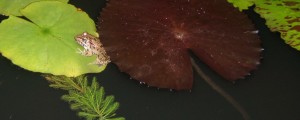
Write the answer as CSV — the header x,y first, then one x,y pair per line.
x,y
88,99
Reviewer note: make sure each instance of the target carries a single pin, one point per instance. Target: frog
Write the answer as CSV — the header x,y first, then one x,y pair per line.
x,y
92,46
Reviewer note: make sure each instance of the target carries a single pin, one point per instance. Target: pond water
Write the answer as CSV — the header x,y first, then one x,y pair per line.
x,y
272,92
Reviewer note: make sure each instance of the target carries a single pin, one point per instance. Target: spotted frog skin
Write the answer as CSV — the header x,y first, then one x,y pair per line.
x,y
92,46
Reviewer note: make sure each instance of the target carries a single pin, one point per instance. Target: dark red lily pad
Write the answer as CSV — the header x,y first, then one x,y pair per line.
x,y
150,39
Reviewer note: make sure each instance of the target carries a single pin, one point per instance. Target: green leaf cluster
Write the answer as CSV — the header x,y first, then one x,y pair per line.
x,y
44,42
281,15
89,100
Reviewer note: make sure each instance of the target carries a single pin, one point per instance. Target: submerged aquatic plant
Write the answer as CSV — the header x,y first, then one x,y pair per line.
x,y
88,99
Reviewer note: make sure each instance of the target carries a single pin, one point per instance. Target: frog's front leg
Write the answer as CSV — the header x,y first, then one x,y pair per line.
x,y
84,52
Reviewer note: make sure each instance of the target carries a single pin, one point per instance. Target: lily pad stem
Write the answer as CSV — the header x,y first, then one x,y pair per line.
x,y
218,89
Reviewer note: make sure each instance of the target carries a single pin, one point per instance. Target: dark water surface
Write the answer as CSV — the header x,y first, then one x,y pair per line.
x,y
271,93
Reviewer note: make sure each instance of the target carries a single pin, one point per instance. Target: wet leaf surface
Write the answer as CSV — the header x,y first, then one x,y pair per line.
x,y
242,4
13,7
150,39
282,16
46,43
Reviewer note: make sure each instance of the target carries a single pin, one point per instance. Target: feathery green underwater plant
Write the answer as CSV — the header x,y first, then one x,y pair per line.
x,y
88,99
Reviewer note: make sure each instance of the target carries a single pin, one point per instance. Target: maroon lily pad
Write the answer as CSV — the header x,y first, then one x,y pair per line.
x,y
150,39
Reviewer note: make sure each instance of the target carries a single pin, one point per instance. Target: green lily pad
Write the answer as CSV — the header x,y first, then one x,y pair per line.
x,y
46,42
242,4
12,7
282,16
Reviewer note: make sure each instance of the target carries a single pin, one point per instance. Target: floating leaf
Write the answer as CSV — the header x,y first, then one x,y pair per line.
x,y
13,7
46,42
242,4
282,16
150,39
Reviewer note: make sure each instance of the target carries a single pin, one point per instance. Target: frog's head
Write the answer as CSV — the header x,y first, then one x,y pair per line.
x,y
82,39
